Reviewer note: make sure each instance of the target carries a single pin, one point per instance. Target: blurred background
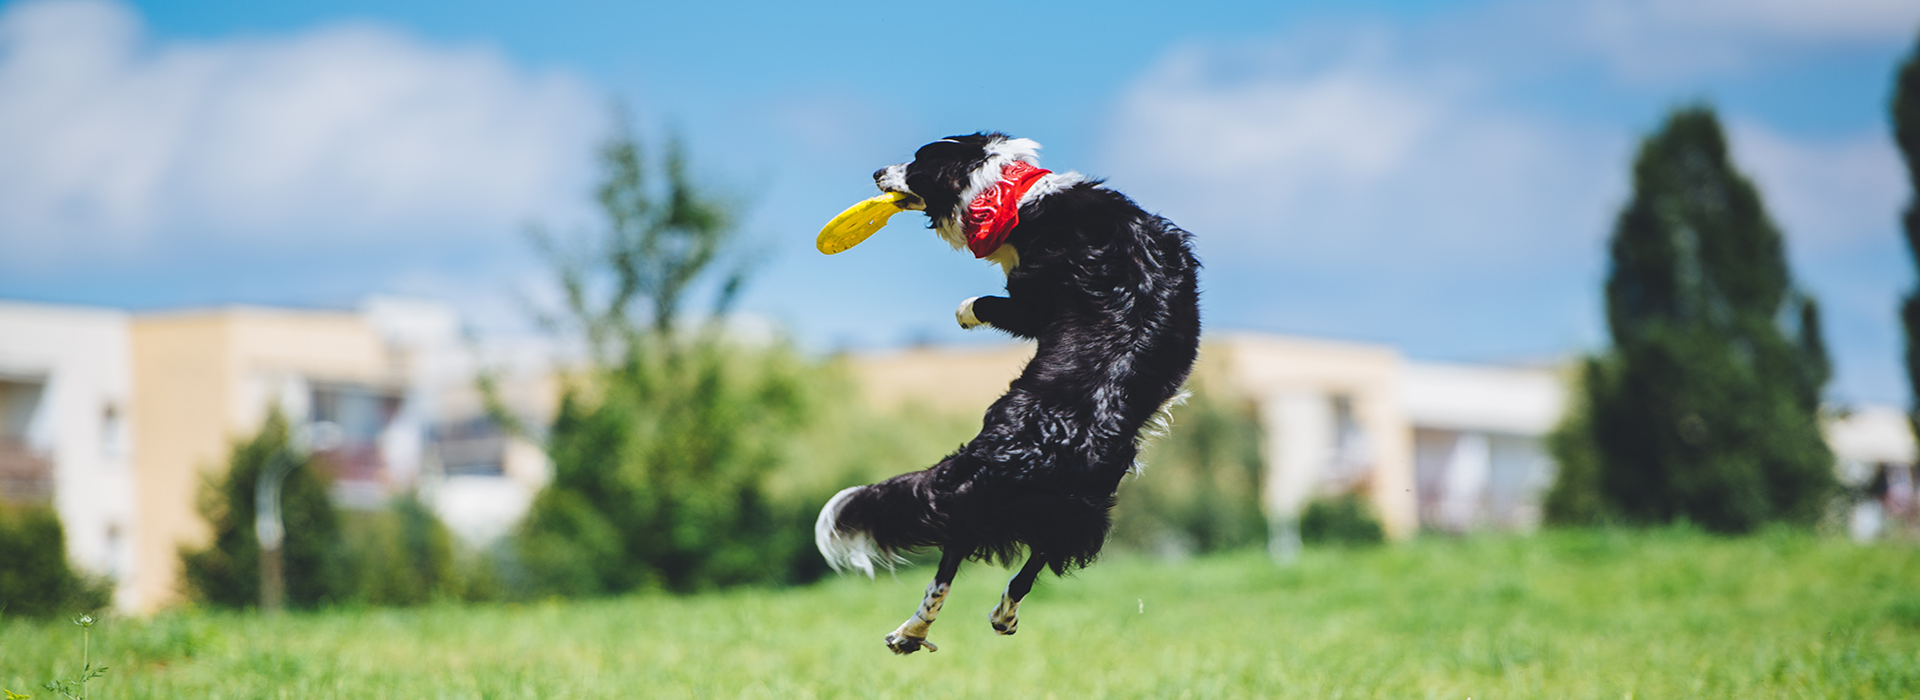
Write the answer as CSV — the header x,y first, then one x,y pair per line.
x,y
222,223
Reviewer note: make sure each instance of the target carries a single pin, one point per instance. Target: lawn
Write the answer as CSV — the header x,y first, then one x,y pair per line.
x,y
1601,614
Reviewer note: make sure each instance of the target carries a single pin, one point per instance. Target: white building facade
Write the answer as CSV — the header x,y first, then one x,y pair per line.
x,y
65,437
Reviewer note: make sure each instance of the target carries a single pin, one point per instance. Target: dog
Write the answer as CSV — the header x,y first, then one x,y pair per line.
x,y
1111,295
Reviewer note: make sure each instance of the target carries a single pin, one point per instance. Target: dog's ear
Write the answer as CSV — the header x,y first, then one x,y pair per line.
x,y
940,172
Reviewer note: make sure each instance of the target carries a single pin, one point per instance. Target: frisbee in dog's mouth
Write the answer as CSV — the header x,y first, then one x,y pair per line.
x,y
859,221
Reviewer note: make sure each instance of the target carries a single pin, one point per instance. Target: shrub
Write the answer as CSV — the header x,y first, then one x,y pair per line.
x,y
400,555
661,471
35,578
1344,520
1199,489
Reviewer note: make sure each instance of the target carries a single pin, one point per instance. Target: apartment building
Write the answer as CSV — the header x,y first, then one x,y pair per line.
x,y
117,419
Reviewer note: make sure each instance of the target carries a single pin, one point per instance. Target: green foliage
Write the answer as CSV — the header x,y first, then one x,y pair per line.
x,y
661,478
1345,520
227,572
1705,409
1579,614
1200,487
1575,498
668,447
1906,132
35,578
400,555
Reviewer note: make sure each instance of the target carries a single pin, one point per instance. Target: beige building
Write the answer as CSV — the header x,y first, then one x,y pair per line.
x,y
124,416
205,379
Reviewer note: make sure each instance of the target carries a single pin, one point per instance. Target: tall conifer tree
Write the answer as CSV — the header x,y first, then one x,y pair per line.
x,y
1906,131
1706,408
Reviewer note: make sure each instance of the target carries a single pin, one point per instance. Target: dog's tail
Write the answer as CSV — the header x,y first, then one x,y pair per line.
x,y
873,524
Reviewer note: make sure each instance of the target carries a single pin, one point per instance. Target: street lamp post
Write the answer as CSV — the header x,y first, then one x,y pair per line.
x,y
268,526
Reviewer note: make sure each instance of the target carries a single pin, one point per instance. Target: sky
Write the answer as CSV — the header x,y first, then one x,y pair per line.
x,y
1437,176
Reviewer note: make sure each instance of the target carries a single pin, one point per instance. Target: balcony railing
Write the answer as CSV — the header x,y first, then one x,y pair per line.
x,y
25,477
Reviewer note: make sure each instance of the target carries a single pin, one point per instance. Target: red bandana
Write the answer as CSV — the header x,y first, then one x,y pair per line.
x,y
993,214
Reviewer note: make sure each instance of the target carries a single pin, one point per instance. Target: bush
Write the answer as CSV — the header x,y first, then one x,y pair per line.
x,y
35,579
1344,520
401,555
1199,490
662,470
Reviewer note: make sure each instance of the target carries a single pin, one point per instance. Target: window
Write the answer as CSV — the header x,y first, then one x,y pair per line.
x,y
362,413
473,447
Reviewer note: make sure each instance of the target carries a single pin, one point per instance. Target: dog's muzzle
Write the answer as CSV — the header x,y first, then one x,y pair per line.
x,y
893,178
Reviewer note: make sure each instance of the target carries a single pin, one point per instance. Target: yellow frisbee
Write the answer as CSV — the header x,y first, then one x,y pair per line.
x,y
858,222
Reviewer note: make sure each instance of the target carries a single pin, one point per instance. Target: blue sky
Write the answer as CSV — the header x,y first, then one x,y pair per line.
x,y
1437,176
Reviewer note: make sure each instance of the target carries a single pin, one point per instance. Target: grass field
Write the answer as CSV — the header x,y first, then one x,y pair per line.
x,y
1566,615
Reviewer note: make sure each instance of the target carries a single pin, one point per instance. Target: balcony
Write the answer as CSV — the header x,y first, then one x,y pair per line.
x,y
25,477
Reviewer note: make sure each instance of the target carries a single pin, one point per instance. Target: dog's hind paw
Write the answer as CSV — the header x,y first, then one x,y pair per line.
x,y
902,644
1005,617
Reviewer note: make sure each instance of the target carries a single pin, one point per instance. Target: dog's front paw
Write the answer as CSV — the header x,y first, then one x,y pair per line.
x,y
965,314
902,644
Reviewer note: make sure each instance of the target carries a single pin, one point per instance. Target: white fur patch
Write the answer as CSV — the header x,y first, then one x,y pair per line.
x,y
1000,152
847,550
1051,183
1015,149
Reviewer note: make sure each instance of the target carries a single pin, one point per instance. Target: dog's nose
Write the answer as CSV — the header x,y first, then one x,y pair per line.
x,y
877,174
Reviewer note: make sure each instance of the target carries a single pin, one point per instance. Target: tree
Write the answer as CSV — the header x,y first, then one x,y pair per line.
x,y
1706,407
1906,132
227,572
664,444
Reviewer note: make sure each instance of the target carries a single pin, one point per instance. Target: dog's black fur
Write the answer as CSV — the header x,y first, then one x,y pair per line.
x,y
1110,294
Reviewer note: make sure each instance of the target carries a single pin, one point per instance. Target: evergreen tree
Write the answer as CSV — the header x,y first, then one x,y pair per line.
x,y
227,572
1706,408
1906,132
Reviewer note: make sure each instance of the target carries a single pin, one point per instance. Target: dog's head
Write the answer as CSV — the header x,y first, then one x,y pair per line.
x,y
969,186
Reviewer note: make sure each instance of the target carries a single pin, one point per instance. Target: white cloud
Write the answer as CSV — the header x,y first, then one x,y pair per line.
x,y
1357,160
1662,40
1343,125
351,135
1824,193
1796,20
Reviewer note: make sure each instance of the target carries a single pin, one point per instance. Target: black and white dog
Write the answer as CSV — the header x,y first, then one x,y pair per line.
x,y
1110,293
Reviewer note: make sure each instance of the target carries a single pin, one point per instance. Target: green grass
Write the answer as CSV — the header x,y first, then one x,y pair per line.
x,y
1566,615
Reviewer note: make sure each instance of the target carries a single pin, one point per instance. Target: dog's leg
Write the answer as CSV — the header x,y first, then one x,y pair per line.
x,y
1005,617
912,634
1003,313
